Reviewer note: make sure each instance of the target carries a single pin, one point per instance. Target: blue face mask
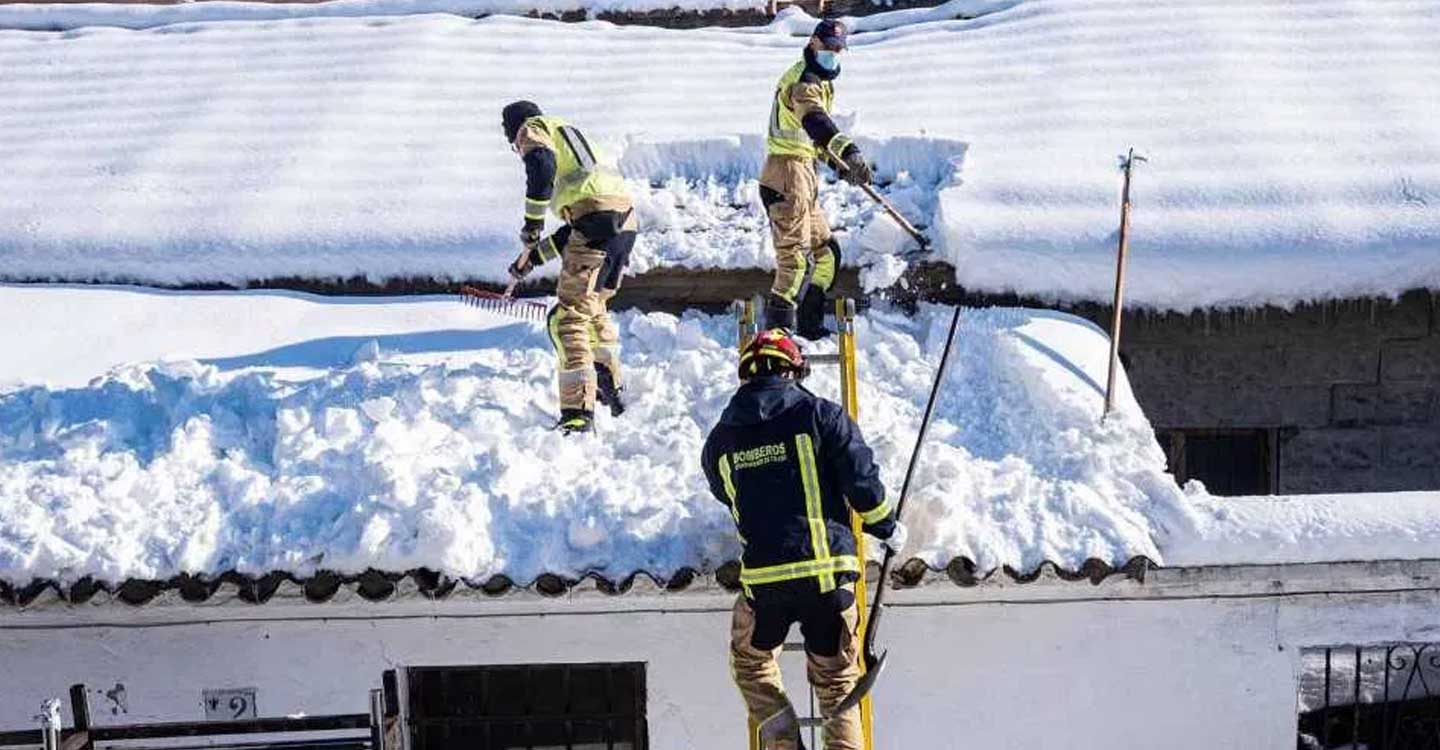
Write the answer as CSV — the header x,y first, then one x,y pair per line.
x,y
828,60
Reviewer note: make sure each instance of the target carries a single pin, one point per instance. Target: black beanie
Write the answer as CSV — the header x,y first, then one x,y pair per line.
x,y
515,114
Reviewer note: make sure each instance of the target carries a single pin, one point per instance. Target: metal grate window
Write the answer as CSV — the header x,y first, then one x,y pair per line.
x,y
530,706
1373,697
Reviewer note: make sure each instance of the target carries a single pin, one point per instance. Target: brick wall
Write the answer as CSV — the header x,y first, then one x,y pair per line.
x,y
1353,387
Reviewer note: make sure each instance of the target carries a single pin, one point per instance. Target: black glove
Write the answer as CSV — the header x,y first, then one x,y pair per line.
x,y
530,233
857,170
520,267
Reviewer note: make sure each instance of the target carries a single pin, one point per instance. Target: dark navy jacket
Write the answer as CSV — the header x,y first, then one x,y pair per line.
x,y
785,462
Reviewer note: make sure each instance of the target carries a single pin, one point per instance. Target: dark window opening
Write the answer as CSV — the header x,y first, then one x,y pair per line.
x,y
1375,697
530,706
1229,461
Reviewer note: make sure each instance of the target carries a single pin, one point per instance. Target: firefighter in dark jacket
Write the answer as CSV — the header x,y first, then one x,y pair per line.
x,y
790,466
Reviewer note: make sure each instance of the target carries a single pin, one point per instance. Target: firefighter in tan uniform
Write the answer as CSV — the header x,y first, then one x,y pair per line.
x,y
564,174
790,466
800,133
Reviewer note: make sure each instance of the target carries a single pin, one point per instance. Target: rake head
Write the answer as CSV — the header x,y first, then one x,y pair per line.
x,y
502,304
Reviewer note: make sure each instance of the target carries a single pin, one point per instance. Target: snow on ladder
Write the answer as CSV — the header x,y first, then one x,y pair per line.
x,y
747,312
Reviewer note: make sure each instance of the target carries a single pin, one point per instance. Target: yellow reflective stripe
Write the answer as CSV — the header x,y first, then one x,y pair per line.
x,y
876,514
552,326
548,251
823,277
838,143
814,508
729,486
535,209
792,291
809,568
786,135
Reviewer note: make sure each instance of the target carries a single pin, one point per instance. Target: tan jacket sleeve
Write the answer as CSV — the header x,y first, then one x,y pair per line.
x,y
806,98
531,137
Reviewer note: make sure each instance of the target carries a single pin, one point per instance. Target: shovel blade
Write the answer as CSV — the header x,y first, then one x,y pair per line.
x,y
863,686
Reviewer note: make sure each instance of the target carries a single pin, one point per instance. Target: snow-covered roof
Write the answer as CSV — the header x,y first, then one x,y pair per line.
x,y
1292,147
292,438
300,434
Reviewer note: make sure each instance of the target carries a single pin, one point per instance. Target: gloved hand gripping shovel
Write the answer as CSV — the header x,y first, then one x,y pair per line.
x,y
873,663
504,303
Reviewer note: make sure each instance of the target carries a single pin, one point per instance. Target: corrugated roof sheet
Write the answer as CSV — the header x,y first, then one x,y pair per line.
x,y
379,585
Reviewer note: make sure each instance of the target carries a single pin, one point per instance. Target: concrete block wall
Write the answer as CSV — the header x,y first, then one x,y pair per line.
x,y
1353,388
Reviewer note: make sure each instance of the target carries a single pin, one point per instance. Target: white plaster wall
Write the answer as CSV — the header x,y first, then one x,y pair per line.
x,y
1187,672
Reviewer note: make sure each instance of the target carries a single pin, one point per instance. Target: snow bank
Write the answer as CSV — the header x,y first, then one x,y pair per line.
x,y
65,16
1292,153
1311,528
430,448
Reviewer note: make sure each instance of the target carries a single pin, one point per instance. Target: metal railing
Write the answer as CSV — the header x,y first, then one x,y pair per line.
x,y
364,731
1377,697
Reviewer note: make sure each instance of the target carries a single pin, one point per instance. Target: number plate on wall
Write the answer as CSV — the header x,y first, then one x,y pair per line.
x,y
229,704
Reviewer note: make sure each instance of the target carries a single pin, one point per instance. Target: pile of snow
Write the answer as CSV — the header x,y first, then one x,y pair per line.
x,y
1292,148
327,449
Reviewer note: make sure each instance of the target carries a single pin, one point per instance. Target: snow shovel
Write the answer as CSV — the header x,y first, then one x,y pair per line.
x,y
504,303
873,663
888,207
904,223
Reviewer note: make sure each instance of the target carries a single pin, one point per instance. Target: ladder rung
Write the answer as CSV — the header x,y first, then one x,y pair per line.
x,y
824,359
793,646
806,722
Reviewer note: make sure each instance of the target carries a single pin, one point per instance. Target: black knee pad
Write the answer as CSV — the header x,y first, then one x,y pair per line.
x,y
770,197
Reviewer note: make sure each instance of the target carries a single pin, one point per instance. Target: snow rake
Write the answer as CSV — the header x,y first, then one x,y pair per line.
x,y
874,663
503,303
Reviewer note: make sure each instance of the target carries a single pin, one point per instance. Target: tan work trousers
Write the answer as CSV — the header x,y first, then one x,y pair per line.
x,y
757,673
580,325
798,227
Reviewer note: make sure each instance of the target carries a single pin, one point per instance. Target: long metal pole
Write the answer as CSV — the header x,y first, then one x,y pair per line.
x,y
874,663
1119,303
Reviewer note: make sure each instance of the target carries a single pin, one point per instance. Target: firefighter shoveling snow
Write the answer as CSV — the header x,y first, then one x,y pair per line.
x,y
1283,169
426,445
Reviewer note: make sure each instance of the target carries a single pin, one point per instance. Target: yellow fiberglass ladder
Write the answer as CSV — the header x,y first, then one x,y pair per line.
x,y
749,326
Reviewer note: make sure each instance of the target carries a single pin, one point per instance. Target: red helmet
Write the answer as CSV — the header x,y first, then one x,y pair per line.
x,y
773,352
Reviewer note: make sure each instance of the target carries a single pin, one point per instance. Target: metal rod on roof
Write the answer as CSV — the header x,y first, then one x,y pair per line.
x,y
1120,254
50,722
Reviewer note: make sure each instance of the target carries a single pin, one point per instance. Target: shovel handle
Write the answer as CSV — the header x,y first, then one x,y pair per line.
x,y
896,215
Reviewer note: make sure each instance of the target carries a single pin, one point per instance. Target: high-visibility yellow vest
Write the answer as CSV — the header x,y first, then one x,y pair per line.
x,y
787,135
580,170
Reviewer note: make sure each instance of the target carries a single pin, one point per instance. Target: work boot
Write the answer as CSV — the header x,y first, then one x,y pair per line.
x,y
779,313
575,420
606,392
811,315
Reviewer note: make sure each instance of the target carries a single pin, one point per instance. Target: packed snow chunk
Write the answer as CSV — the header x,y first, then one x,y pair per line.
x,y
428,455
